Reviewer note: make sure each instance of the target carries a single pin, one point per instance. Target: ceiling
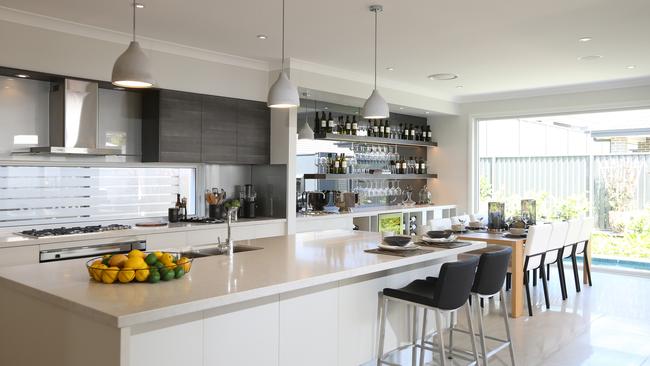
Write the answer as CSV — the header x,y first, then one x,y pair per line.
x,y
600,121
496,46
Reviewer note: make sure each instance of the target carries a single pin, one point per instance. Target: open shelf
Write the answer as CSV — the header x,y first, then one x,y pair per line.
x,y
373,140
369,176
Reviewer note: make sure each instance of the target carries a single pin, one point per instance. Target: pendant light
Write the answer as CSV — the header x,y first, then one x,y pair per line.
x,y
375,106
283,94
132,69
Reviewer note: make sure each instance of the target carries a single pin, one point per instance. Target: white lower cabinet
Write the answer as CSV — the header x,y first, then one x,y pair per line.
x,y
19,255
245,336
176,341
166,241
309,327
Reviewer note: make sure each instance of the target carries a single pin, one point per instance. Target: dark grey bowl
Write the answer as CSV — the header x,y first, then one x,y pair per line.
x,y
439,234
397,241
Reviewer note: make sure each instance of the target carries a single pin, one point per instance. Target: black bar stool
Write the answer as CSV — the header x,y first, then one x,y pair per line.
x,y
444,294
488,282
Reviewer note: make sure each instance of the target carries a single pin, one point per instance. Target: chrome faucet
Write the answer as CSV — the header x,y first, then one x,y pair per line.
x,y
229,216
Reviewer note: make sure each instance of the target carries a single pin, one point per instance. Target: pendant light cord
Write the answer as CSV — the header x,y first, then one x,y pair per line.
x,y
133,20
282,35
375,49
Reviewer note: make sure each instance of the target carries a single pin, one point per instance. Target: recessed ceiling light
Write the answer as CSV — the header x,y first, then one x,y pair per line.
x,y
262,36
401,107
630,67
325,108
139,5
427,112
390,68
585,39
459,86
443,76
22,76
590,58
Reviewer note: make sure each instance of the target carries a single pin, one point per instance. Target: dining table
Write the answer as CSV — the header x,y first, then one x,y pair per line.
x,y
516,263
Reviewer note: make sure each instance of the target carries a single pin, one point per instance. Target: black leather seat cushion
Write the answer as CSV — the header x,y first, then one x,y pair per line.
x,y
418,291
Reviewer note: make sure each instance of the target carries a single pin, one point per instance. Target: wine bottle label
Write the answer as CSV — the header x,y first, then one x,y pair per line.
x,y
429,134
331,123
345,164
375,129
387,129
354,126
336,164
323,123
412,132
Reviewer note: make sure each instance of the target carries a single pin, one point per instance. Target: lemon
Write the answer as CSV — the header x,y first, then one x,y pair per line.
x,y
185,263
110,274
117,260
168,260
158,254
135,263
98,269
141,275
136,253
126,275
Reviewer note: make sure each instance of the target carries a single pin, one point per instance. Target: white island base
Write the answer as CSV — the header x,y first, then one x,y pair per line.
x,y
306,299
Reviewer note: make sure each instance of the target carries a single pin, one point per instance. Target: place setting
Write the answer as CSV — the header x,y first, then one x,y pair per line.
x,y
397,245
444,239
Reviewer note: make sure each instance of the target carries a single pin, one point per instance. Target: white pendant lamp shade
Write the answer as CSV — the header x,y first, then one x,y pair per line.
x,y
306,133
375,107
283,94
132,69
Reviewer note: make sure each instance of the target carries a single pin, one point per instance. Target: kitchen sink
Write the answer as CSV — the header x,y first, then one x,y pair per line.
x,y
210,251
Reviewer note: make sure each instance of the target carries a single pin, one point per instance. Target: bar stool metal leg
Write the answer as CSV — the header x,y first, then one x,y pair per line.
x,y
382,329
424,336
451,335
470,322
504,313
440,327
481,334
414,334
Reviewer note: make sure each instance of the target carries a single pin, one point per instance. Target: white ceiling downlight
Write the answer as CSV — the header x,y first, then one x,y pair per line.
x,y
630,67
585,39
262,36
443,76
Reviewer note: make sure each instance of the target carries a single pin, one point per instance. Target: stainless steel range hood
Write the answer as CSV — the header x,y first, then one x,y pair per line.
x,y
73,120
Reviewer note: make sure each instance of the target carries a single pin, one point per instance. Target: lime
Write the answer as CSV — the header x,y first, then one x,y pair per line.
x,y
159,265
154,276
151,259
179,272
167,274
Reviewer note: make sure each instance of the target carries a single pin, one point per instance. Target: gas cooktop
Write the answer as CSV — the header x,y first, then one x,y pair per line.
x,y
72,230
202,220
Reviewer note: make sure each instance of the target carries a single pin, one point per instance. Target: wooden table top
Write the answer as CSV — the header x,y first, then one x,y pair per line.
x,y
492,238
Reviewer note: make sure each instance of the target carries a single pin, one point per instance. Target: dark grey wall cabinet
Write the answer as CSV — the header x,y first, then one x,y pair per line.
x,y
193,128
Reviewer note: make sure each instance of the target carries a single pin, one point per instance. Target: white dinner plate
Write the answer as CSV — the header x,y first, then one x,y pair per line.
x,y
409,246
439,240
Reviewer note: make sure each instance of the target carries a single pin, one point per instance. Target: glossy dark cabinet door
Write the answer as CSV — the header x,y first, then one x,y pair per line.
x,y
219,130
253,132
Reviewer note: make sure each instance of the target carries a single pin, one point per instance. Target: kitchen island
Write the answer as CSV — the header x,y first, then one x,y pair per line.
x,y
308,298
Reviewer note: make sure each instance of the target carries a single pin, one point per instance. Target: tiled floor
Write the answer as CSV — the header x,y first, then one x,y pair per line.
x,y
607,324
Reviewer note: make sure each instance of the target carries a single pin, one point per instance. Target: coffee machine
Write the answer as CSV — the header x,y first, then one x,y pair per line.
x,y
250,201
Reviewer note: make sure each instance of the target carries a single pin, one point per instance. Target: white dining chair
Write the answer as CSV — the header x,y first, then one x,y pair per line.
x,y
554,252
572,237
534,253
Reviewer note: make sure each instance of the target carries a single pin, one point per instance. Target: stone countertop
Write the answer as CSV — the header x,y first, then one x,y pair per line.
x,y
285,263
8,239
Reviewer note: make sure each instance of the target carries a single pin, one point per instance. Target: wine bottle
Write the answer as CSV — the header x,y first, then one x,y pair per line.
x,y
381,128
343,169
330,164
335,167
387,130
348,126
375,129
355,125
316,124
323,123
411,132
330,123
428,138
423,166
401,132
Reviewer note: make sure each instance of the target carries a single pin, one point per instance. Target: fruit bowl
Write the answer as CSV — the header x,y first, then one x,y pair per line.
x,y
138,266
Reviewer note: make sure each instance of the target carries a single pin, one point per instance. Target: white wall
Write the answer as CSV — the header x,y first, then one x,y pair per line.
x,y
454,135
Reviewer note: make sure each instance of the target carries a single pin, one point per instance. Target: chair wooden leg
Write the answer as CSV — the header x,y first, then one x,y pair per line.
x,y
576,277
508,281
545,285
587,265
530,306
548,272
562,281
535,277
